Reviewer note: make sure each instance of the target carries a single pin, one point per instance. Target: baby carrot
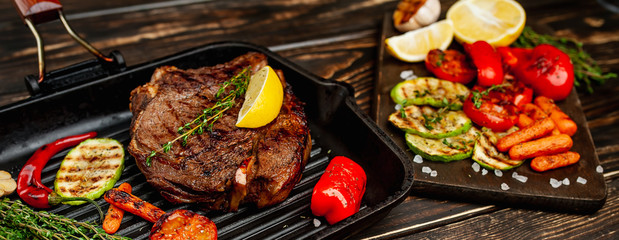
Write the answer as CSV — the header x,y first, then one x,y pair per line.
x,y
548,162
536,130
540,147
114,215
524,120
533,111
133,204
564,123
546,104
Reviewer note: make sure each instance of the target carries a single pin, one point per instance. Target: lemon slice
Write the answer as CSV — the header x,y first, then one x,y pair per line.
x,y
498,22
263,99
413,46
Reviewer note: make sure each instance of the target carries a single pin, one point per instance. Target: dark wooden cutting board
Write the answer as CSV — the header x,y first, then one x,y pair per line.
x,y
459,181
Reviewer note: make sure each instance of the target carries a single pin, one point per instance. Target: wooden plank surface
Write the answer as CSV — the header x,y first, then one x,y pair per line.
x,y
337,40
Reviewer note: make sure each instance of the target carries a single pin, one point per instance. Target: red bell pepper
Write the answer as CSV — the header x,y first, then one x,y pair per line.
x,y
545,68
487,61
450,65
338,193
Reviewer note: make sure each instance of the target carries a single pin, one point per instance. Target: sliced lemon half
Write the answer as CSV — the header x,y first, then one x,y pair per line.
x,y
263,99
413,46
498,22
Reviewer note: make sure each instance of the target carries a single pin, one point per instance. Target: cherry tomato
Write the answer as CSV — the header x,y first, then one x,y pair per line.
x,y
545,68
450,65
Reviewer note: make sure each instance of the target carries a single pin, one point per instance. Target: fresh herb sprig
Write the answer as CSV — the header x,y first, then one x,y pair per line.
x,y
18,221
457,147
586,69
477,95
206,120
433,118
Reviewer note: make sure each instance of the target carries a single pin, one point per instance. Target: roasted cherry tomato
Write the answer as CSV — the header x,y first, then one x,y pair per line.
x,y
487,61
450,65
497,107
545,68
517,93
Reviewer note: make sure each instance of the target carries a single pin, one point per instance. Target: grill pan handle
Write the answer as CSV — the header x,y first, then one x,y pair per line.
x,y
34,12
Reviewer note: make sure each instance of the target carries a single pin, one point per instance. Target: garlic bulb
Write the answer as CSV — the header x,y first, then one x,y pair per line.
x,y
413,14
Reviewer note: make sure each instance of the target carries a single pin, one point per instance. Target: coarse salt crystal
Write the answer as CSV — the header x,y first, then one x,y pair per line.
x,y
520,178
498,173
504,186
581,180
398,107
475,167
566,181
599,169
555,183
407,75
433,173
418,159
317,222
484,171
426,169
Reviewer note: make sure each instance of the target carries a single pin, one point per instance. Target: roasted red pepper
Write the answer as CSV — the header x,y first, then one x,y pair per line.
x,y
29,186
497,107
545,68
338,193
450,65
487,61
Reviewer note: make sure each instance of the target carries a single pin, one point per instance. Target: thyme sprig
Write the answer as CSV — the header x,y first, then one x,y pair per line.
x,y
18,221
477,95
586,69
237,86
433,118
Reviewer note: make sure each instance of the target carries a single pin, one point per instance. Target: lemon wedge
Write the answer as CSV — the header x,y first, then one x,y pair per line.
x,y
263,99
413,46
498,22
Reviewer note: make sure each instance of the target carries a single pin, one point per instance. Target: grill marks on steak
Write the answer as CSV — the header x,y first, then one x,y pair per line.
x,y
228,166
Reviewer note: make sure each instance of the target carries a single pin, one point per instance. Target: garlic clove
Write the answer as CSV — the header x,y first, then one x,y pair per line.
x,y
414,14
5,175
7,184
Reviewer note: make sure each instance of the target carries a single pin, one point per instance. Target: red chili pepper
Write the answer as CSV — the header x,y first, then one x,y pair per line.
x,y
546,69
487,61
338,193
29,186
450,65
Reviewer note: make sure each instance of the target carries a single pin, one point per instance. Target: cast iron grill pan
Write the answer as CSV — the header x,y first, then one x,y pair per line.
x,y
337,126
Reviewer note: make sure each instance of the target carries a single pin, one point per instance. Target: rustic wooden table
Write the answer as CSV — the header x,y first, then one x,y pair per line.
x,y
336,40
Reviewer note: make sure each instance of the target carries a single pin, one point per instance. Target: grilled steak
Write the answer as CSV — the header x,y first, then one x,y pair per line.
x,y
227,166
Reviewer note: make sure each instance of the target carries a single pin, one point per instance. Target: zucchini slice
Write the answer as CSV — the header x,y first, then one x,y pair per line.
x,y
90,169
428,122
430,91
488,157
444,149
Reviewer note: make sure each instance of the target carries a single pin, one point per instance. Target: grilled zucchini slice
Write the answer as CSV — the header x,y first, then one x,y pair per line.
x,y
90,169
489,157
428,122
443,149
430,91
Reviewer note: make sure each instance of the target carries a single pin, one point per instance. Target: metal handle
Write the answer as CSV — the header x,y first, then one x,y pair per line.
x,y
34,12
